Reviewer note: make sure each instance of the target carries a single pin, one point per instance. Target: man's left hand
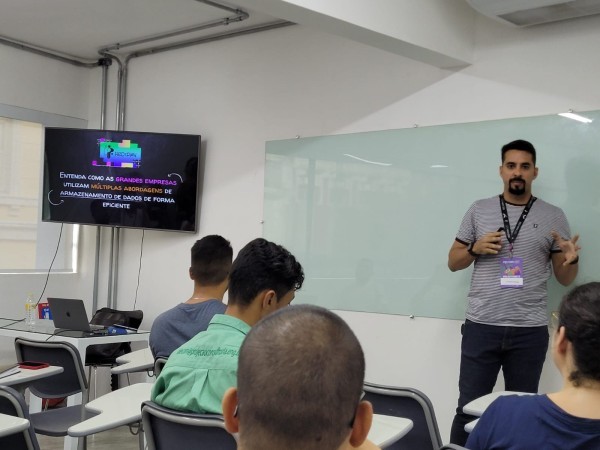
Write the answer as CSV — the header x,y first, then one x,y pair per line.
x,y
568,247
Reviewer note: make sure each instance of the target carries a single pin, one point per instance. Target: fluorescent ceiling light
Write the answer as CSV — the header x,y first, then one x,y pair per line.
x,y
367,161
438,166
573,116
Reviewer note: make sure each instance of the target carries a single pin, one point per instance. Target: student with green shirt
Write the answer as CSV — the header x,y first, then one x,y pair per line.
x,y
264,278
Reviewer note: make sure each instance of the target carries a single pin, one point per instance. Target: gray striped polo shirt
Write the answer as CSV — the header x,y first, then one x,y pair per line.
x,y
522,307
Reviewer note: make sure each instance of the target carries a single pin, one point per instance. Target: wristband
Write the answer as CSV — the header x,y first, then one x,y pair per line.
x,y
575,261
470,250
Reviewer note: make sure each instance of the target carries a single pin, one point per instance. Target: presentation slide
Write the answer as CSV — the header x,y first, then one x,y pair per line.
x,y
119,178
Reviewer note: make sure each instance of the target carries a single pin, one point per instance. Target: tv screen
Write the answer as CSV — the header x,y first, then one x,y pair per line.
x,y
121,178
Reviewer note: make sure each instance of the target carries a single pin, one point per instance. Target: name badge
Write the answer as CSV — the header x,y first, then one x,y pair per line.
x,y
511,274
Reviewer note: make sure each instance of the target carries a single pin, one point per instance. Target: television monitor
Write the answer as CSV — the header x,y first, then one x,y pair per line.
x,y
121,178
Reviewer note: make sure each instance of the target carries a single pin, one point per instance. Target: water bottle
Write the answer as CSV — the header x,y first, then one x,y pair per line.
x,y
30,310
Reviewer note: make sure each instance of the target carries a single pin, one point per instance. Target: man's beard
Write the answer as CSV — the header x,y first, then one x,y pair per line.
x,y
519,189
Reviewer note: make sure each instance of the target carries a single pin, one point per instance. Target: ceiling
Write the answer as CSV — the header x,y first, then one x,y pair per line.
x,y
80,28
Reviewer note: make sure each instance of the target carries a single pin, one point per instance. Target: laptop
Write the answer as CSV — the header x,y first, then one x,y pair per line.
x,y
70,314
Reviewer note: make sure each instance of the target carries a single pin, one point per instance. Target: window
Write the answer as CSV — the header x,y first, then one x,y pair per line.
x,y
26,243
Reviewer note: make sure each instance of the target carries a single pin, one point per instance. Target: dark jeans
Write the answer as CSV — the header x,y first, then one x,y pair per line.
x,y
485,348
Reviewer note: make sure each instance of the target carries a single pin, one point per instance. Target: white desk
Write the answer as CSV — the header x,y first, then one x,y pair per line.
x,y
12,424
469,427
120,407
387,430
137,361
124,406
116,408
44,330
20,380
479,405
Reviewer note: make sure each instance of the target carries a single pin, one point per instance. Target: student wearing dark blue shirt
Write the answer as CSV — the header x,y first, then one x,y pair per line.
x,y
569,418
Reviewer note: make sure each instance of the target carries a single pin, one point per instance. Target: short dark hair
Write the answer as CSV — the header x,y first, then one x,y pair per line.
x,y
211,260
579,313
300,376
519,144
262,265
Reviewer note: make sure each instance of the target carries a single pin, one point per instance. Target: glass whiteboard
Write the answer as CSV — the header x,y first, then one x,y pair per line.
x,y
371,216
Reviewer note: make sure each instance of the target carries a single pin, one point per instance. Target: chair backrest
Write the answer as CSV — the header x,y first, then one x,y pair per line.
x,y
411,404
12,403
71,381
166,429
159,363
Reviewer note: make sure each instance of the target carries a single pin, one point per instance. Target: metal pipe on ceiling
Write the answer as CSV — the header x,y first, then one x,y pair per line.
x,y
211,38
47,53
104,62
157,37
239,16
224,7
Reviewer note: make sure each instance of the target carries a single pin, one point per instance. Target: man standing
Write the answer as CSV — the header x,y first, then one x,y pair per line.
x,y
264,278
210,267
514,240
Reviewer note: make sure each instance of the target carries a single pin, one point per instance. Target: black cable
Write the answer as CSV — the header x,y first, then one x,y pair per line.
x,y
139,269
12,323
51,264
47,277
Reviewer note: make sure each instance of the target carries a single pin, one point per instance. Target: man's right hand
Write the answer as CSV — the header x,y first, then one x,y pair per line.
x,y
489,244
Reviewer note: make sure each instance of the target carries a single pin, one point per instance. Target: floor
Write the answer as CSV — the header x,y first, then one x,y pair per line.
x,y
119,438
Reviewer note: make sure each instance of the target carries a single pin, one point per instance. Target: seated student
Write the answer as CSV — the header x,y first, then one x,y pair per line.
x,y
569,418
210,267
300,379
264,277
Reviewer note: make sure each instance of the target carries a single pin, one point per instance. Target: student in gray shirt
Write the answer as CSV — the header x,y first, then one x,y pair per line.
x,y
516,242
210,267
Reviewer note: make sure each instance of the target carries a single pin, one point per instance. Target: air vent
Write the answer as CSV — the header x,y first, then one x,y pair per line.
x,y
525,13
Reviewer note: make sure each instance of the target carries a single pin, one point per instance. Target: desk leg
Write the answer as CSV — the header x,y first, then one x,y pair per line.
x,y
74,399
70,443
77,399
35,403
141,438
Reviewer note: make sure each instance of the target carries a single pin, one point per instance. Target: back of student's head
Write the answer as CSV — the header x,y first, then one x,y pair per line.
x,y
211,260
262,265
300,377
579,313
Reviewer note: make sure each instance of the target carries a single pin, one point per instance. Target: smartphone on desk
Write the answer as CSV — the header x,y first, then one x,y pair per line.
x,y
129,330
33,365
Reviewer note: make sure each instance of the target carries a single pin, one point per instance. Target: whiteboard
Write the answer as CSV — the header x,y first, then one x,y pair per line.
x,y
371,216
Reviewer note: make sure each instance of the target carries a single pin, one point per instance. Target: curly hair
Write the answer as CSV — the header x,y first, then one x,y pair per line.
x,y
262,265
579,313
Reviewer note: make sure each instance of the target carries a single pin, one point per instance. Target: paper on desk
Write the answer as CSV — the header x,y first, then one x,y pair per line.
x,y
10,371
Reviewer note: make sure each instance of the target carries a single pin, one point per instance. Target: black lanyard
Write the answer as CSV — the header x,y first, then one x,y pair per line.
x,y
511,236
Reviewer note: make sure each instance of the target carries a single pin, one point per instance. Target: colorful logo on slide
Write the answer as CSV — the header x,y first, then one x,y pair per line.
x,y
124,154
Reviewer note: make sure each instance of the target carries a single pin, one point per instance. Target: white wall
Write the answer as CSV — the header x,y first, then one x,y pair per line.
x,y
35,82
436,32
242,92
41,84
